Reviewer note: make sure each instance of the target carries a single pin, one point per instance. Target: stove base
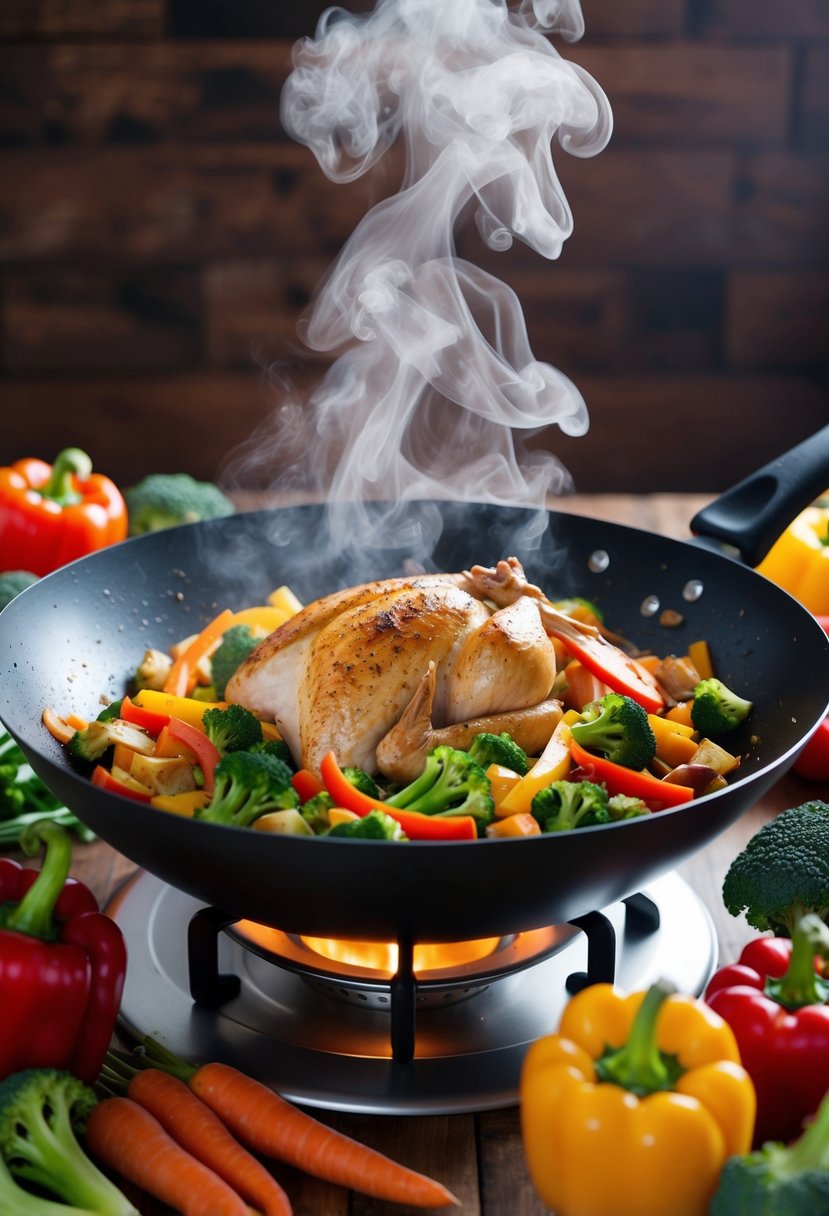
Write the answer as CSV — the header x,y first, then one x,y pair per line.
x,y
319,1052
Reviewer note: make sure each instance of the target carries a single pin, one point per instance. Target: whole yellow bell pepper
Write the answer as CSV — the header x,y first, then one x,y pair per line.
x,y
798,561
634,1106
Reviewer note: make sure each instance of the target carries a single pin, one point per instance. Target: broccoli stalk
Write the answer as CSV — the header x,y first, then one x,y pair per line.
x,y
234,729
779,1179
247,785
40,1110
235,646
800,985
163,500
451,784
618,728
565,805
783,872
716,710
486,749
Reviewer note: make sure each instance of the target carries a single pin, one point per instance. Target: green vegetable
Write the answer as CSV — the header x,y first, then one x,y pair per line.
x,y
486,749
278,748
42,1110
163,500
716,710
234,729
361,781
12,582
624,806
580,609
782,874
24,798
235,646
376,825
246,785
451,784
88,745
618,728
315,812
779,1179
565,805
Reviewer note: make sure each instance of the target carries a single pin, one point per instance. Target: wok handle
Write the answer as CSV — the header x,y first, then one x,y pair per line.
x,y
751,515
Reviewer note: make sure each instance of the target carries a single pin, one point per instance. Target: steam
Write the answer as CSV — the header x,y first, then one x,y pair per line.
x,y
435,393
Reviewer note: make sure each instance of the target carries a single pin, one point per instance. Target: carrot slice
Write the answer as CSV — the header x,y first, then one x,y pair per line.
x,y
181,678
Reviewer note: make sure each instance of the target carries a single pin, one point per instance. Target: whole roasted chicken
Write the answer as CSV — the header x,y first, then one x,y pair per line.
x,y
382,672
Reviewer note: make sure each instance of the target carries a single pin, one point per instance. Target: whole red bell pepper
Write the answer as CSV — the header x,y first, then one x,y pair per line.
x,y
62,963
775,1001
51,514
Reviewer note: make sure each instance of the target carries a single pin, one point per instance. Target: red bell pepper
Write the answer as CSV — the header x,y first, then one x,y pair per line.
x,y
51,514
607,662
775,1000
149,719
813,762
306,784
415,825
206,753
620,780
62,963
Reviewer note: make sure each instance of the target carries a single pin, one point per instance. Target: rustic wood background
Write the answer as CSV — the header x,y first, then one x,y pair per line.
x,y
159,235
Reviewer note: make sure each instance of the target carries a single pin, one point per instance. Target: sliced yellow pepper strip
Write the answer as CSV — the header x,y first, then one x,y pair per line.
x,y
187,709
799,560
553,764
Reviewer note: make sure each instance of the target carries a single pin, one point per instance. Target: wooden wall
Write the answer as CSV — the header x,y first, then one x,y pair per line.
x,y
159,234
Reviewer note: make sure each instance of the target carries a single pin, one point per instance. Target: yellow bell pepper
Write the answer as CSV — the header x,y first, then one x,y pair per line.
x,y
799,560
635,1105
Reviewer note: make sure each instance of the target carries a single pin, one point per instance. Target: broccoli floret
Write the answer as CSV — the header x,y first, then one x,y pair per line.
x,y
618,727
361,781
278,748
235,646
486,749
246,785
88,745
783,872
163,500
376,825
451,784
234,729
12,582
42,1110
205,692
565,805
315,812
624,806
779,1179
716,710
113,710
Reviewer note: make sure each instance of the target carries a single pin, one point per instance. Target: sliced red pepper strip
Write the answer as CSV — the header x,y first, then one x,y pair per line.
x,y
306,784
104,780
415,825
620,780
607,662
151,721
206,753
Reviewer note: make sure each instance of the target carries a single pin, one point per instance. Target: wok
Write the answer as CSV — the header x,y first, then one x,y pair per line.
x,y
76,636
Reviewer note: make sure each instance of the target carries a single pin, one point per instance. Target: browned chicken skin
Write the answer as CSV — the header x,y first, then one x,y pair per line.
x,y
341,673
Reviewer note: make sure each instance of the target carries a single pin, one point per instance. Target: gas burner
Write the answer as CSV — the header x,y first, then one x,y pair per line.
x,y
402,1037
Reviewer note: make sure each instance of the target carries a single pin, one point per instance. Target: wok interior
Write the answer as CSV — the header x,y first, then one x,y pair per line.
x,y
73,640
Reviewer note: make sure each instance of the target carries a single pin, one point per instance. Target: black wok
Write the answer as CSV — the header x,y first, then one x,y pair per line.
x,y
76,636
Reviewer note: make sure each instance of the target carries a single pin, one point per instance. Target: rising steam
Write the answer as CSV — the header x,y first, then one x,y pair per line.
x,y
436,392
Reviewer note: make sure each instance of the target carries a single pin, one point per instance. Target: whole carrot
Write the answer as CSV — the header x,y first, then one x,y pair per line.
x,y
273,1127
196,1128
125,1137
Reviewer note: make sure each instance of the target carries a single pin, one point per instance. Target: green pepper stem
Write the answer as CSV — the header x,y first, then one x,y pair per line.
x,y
69,463
639,1065
801,985
35,912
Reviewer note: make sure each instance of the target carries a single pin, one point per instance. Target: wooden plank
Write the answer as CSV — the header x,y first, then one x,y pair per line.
x,y
670,433
92,93
780,213
692,94
56,318
253,19
505,1179
747,18
813,111
651,17
778,319
79,18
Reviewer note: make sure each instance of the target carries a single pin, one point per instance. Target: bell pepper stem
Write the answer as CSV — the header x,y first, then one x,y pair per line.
x,y
69,463
35,912
801,985
638,1065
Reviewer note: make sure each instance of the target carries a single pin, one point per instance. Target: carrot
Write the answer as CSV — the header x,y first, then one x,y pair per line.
x,y
273,1127
181,677
198,1130
127,1139
58,727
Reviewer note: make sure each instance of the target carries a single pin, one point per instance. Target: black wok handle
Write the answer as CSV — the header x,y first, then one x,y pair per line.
x,y
751,515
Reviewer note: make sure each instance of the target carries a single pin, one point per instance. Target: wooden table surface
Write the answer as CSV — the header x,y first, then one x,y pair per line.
x,y
479,1156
